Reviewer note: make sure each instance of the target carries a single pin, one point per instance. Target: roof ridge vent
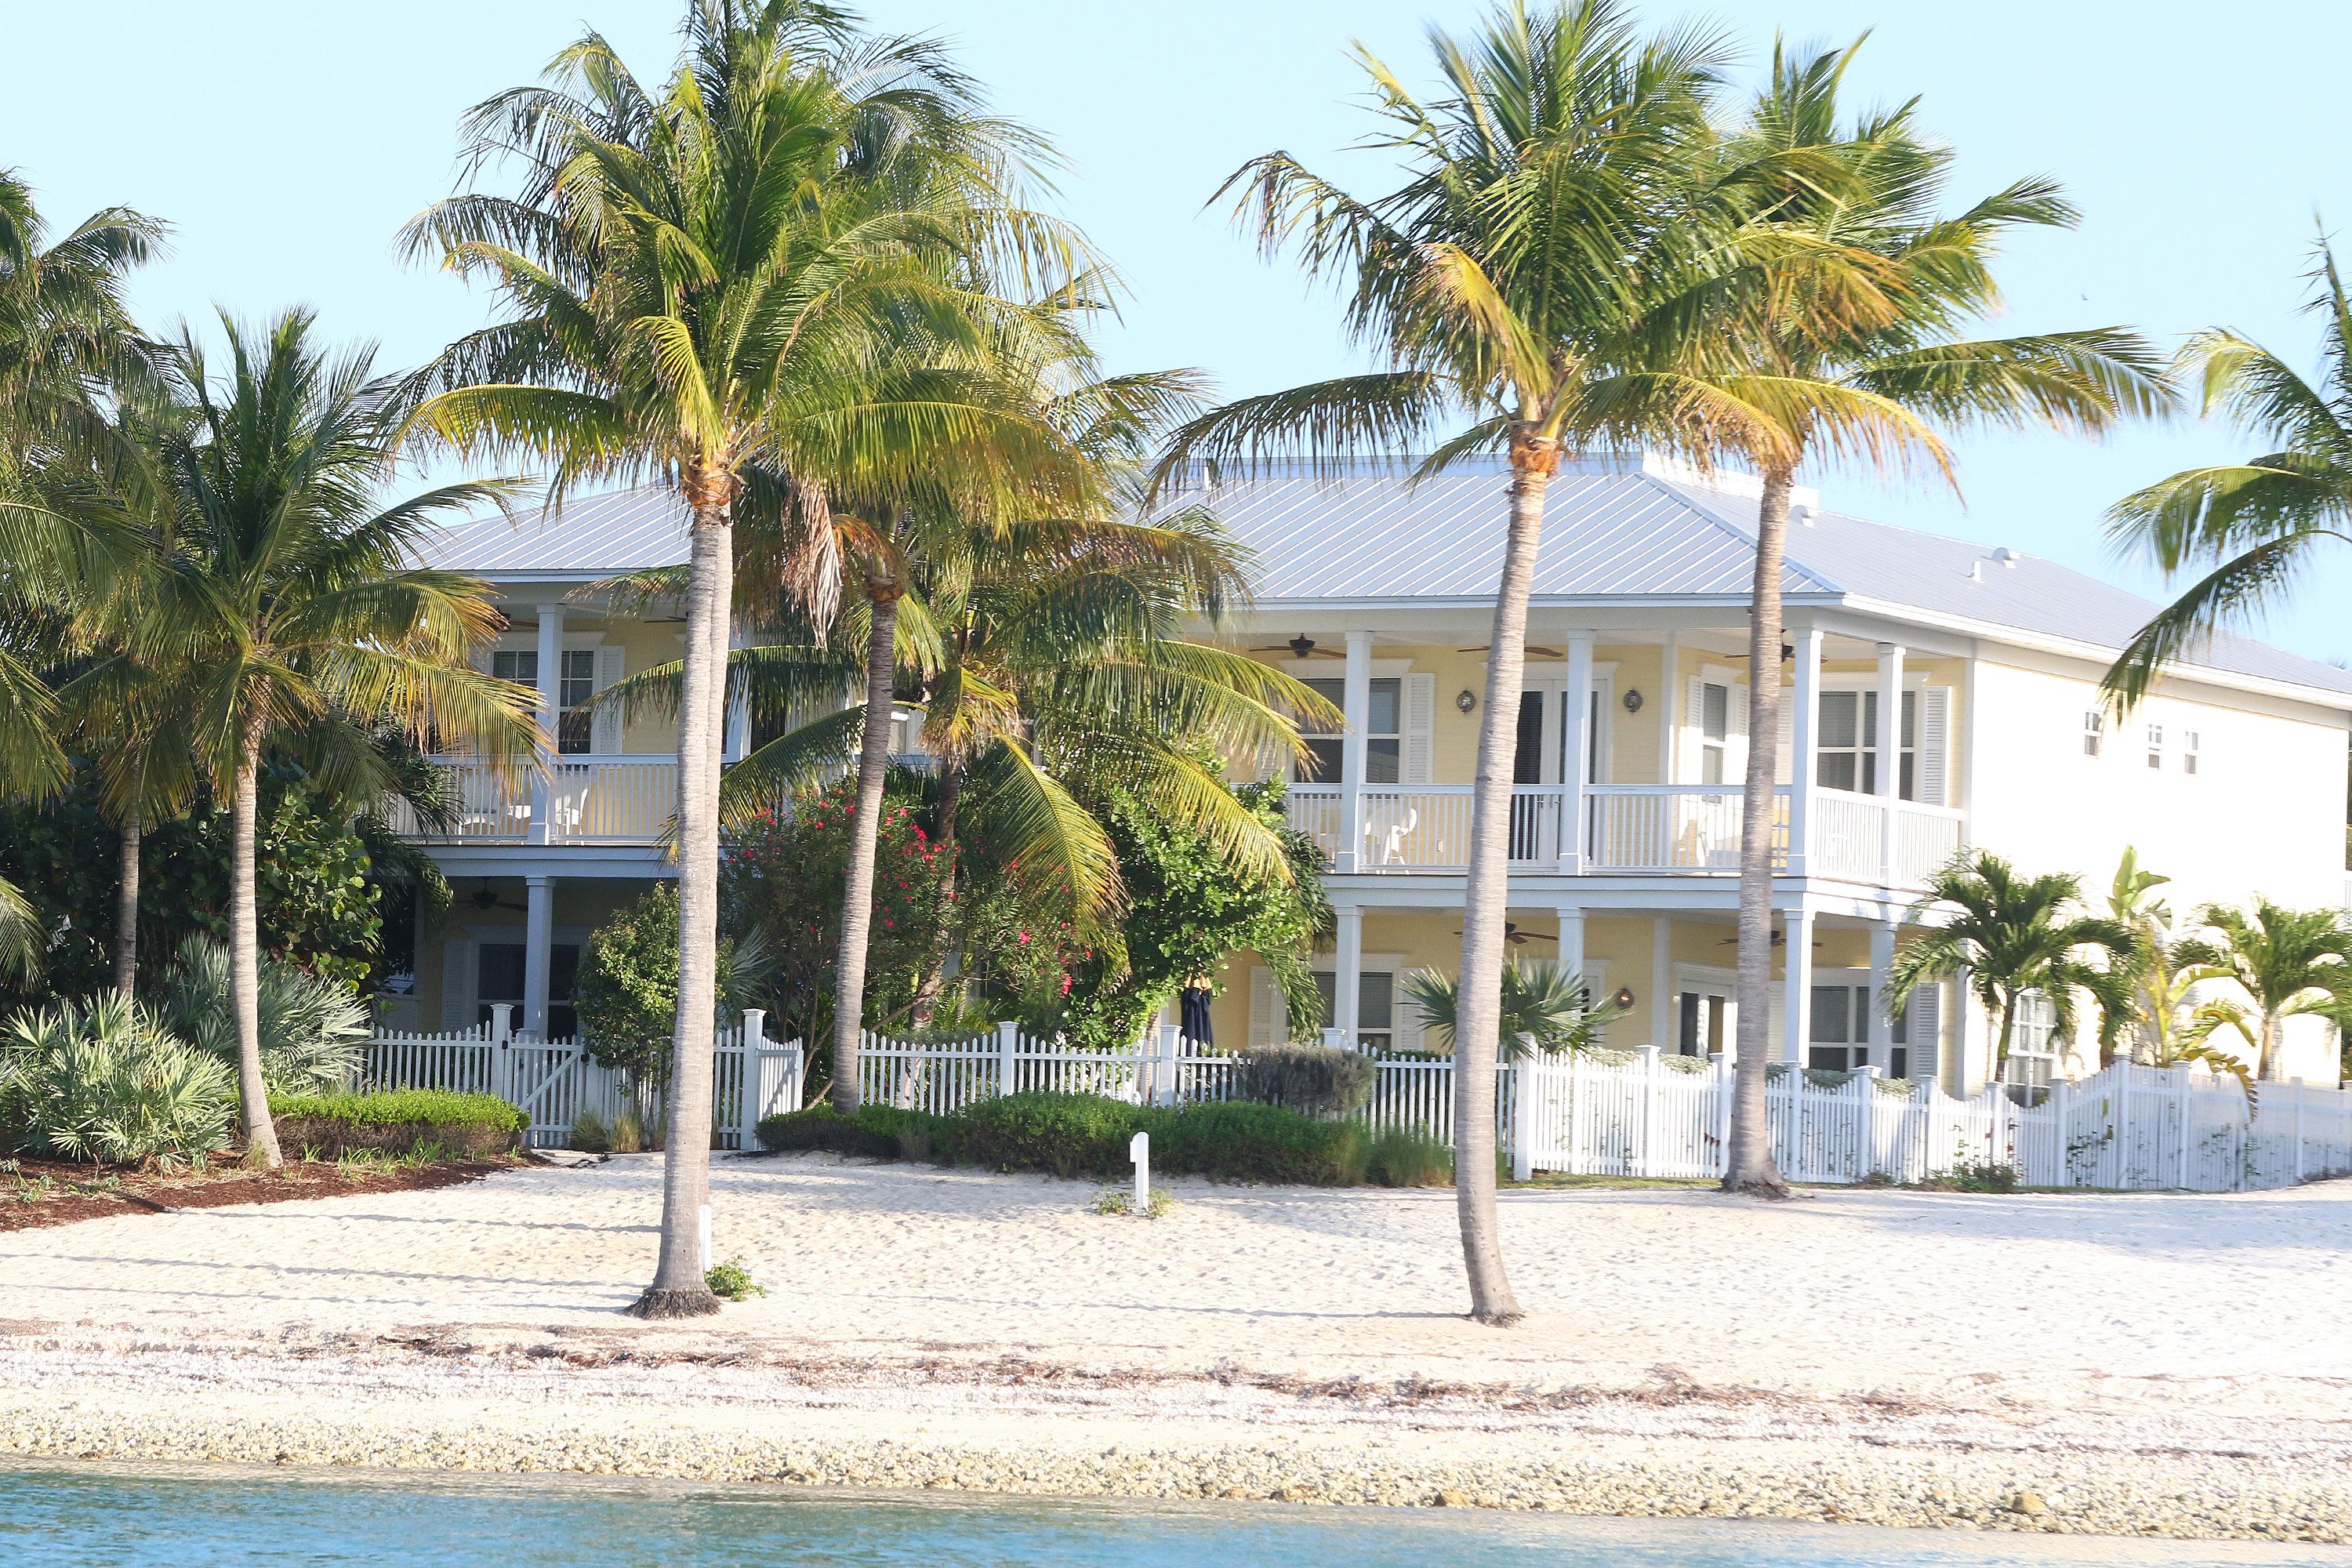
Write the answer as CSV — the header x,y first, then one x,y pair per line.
x,y
1801,515
1976,569
2005,556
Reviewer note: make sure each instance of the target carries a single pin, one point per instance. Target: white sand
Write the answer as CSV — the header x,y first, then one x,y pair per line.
x,y
2144,1325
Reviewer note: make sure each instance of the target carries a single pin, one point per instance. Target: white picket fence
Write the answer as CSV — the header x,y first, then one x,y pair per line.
x,y
2128,1127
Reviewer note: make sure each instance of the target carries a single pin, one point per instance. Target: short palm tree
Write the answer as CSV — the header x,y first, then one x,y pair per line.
x,y
2253,525
286,587
2286,963
1545,1008
2012,935
1830,331
1544,195
712,283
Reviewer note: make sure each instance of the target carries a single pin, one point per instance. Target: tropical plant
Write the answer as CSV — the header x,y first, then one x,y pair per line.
x,y
1544,196
626,992
1544,1010
291,593
104,1081
1829,330
312,1029
717,282
2286,964
2254,525
2012,935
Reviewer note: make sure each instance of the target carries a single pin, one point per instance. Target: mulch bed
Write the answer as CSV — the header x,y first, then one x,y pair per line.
x,y
70,1197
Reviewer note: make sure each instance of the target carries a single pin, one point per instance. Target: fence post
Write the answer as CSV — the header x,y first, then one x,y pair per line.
x,y
502,1073
1008,1047
2061,1099
749,1102
2180,1114
1163,1074
1644,1157
1867,1077
1334,1041
1523,1099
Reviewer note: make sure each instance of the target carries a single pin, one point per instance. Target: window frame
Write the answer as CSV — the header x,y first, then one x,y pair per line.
x,y
1379,745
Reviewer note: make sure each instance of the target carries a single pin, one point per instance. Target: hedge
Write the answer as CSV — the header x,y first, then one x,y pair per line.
x,y
399,1121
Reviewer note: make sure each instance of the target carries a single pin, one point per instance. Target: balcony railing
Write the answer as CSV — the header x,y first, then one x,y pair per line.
x,y
619,800
1628,829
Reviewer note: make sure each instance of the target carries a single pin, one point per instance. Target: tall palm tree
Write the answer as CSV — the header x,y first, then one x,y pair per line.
x,y
710,282
1829,330
286,585
1544,196
2012,934
2288,963
2256,523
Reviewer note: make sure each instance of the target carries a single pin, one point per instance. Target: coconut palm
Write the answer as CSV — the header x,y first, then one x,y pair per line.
x,y
1544,197
286,585
2254,524
2286,963
1829,331
713,282
1546,1009
2010,935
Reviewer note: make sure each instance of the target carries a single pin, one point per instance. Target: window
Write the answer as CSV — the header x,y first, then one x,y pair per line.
x,y
2156,745
575,687
519,666
499,977
1839,1035
2095,728
1375,1005
1384,735
1704,1017
1714,730
2188,750
1847,752
2033,1052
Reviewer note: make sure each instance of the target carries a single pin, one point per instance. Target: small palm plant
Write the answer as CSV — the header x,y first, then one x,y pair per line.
x,y
105,1081
2287,963
1546,1010
2013,935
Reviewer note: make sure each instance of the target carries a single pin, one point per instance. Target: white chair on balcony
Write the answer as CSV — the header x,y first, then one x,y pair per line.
x,y
1387,832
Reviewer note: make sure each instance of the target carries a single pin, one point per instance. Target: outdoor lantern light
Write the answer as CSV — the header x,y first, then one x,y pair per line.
x,y
1624,997
1466,700
1634,700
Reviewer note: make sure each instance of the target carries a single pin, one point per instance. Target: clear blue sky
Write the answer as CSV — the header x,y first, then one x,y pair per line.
x,y
285,142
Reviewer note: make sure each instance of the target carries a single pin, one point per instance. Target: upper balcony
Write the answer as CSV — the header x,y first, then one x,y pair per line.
x,y
608,801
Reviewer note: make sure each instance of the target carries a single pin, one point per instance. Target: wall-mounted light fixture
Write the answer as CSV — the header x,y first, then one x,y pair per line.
x,y
1624,997
1466,699
1632,700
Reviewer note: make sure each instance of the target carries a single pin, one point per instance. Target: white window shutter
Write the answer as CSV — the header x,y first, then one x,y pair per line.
x,y
1694,729
605,732
457,981
1420,721
1784,759
1269,1025
1411,1027
1923,1029
1932,766
1735,748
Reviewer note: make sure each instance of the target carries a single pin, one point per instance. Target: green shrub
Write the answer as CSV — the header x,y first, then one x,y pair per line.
x,y
1397,1158
400,1122
1984,1176
103,1080
731,1282
312,1029
591,1134
1315,1081
1064,1134
820,1127
1241,1140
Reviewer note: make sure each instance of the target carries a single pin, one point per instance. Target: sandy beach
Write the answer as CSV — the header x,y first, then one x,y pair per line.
x,y
2149,1363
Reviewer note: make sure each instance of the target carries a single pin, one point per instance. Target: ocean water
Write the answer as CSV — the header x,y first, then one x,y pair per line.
x,y
126,1516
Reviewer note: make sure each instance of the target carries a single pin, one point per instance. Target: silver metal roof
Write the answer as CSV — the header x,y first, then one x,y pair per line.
x,y
1612,531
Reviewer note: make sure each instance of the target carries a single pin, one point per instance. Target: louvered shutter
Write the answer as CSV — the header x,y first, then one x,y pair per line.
x,y
1735,746
458,983
1932,766
604,731
1784,762
1923,1029
1420,721
1268,1023
1411,1028
1694,729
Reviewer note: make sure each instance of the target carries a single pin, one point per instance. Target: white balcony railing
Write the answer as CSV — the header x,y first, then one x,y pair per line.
x,y
1424,827
1671,828
619,800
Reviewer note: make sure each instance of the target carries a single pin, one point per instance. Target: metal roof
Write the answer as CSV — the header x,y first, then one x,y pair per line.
x,y
1612,531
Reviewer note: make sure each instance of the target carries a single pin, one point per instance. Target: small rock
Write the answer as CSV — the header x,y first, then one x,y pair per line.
x,y
1452,1498
2027,1503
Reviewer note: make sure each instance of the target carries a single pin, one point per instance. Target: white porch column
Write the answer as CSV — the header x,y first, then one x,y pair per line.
x,y
1801,727
1890,754
737,739
1571,943
538,941
1356,697
1576,749
1882,1030
551,714
1797,983
1973,1033
1661,981
1348,975
1670,689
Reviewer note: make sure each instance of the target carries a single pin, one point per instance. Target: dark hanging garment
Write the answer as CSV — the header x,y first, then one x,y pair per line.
x,y
1195,1010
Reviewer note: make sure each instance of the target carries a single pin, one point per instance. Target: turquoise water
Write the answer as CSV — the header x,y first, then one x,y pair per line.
x,y
193,1517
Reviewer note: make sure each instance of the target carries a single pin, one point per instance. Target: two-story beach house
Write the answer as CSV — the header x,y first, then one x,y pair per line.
x,y
1937,693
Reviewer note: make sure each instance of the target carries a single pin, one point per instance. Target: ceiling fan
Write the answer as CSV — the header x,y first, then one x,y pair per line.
x,y
1301,646
1537,650
486,898
1514,936
1780,939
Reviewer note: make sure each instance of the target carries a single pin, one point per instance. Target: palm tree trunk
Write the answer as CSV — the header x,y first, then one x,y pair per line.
x,y
1748,1165
864,833
943,844
679,1290
245,953
126,906
1486,894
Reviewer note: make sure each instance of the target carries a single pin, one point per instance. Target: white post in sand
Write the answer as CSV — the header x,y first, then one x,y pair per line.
x,y
1138,1149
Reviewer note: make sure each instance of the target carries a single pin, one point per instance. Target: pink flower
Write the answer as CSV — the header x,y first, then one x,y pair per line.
x,y
1024,939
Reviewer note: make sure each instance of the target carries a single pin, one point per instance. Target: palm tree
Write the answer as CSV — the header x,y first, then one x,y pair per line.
x,y
288,589
1545,1008
2254,524
2012,935
1544,195
712,283
2288,963
1829,331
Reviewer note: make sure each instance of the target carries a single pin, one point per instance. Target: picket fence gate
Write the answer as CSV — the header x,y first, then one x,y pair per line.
x,y
2127,1127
